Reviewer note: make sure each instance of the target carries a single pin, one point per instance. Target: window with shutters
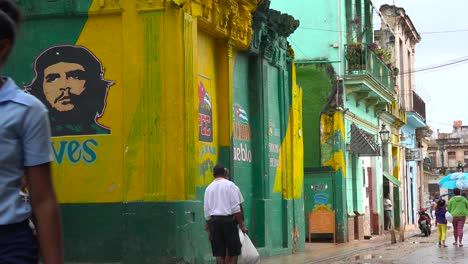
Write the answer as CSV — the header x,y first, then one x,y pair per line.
x,y
452,159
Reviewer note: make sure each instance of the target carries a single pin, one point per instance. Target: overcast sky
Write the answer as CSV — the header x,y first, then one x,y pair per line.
x,y
444,90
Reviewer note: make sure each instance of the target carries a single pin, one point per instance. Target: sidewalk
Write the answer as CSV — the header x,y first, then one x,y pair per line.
x,y
325,252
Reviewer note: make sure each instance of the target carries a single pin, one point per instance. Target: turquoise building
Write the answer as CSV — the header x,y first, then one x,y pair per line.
x,y
351,114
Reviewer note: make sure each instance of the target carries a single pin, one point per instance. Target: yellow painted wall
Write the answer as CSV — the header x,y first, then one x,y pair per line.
x,y
143,53
290,172
103,180
329,126
208,75
157,55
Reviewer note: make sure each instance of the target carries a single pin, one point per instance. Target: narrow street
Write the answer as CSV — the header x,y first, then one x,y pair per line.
x,y
417,249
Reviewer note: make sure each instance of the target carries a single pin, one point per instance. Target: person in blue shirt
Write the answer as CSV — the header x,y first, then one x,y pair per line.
x,y
25,151
441,221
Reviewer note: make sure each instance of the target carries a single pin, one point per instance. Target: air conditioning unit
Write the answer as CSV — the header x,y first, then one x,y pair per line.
x,y
414,154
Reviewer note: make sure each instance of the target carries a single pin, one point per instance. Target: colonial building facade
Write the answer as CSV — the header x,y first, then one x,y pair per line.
x,y
448,153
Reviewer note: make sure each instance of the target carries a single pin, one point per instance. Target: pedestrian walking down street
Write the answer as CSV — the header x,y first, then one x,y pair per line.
x,y
433,209
458,207
223,214
388,207
25,150
441,222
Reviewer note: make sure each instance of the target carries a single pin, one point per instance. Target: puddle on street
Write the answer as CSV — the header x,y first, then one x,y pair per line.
x,y
366,256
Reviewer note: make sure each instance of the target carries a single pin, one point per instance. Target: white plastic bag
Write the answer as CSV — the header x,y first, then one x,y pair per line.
x,y
249,254
448,216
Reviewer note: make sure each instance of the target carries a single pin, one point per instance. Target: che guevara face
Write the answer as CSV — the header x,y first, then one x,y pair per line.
x,y
63,81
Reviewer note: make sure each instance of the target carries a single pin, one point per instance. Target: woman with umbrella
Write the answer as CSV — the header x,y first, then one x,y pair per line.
x,y
458,208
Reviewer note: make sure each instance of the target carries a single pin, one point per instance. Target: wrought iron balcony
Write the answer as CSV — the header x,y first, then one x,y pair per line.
x,y
368,79
419,106
361,61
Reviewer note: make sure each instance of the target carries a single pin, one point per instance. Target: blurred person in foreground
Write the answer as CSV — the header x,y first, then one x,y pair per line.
x,y
25,150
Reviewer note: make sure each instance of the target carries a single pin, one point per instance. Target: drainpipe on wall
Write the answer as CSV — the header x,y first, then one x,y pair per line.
x,y
340,71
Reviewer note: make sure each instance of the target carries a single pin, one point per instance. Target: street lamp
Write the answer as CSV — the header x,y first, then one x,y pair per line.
x,y
384,137
384,134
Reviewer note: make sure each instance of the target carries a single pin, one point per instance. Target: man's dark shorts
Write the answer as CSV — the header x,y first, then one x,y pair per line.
x,y
18,244
388,214
225,236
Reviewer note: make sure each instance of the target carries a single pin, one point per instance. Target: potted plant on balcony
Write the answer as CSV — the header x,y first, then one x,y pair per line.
x,y
355,56
373,46
396,71
355,53
383,54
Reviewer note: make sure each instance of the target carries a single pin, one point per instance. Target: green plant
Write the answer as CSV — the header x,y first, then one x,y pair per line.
x,y
355,55
384,55
373,46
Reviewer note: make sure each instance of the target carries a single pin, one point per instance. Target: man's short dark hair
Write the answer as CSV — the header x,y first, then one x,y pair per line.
x,y
456,191
10,18
96,86
219,171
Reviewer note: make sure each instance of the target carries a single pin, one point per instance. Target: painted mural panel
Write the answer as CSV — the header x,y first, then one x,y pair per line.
x,y
69,80
76,72
318,191
242,137
332,134
208,150
207,111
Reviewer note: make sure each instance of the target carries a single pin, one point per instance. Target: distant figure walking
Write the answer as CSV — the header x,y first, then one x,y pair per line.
x,y
441,221
388,208
458,207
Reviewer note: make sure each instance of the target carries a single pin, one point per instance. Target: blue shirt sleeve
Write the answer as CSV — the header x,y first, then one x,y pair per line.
x,y
36,135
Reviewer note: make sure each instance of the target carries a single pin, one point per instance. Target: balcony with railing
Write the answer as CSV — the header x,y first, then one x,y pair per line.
x,y
419,106
417,114
367,72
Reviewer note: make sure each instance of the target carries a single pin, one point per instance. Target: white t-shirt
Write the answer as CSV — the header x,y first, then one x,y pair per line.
x,y
387,204
222,197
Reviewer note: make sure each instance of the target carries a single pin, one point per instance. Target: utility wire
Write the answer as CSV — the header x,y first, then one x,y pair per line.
x,y
446,67
297,46
435,122
427,68
396,33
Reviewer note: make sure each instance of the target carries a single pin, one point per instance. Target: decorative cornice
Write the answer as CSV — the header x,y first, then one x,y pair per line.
x,y
150,5
106,7
230,19
271,29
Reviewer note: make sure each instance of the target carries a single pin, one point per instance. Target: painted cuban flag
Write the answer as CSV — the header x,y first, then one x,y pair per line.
x,y
241,114
203,96
207,100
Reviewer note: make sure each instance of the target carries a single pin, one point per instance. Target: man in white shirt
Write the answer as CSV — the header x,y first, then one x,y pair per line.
x,y
223,214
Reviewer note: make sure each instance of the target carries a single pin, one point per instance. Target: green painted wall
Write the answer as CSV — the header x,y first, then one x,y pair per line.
x,y
321,27
242,169
359,110
139,232
317,85
259,90
58,27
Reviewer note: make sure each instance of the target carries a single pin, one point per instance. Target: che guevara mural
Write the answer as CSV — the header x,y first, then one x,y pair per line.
x,y
69,80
